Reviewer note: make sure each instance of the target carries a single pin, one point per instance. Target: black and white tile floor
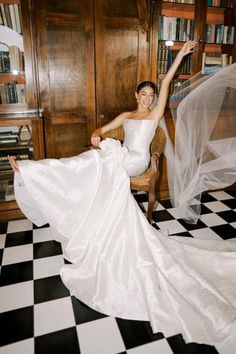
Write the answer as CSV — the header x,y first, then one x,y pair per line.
x,y
39,316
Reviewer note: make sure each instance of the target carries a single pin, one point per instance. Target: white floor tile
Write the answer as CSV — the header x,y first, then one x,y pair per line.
x,y
195,201
17,254
233,224
53,316
22,347
221,195
205,233
175,213
100,336
160,346
212,219
16,296
48,266
217,206
41,235
173,226
158,207
19,225
2,240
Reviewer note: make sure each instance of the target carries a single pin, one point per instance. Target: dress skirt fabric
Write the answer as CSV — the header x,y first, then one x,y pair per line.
x,y
121,265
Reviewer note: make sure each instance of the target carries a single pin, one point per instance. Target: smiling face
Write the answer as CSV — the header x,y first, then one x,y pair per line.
x,y
145,98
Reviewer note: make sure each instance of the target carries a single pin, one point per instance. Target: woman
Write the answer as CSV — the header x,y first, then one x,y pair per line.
x,y
121,265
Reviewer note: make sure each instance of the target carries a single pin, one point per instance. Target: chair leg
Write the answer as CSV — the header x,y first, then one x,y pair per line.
x,y
151,202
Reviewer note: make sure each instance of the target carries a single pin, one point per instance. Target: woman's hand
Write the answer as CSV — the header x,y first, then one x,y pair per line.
x,y
14,164
95,138
188,47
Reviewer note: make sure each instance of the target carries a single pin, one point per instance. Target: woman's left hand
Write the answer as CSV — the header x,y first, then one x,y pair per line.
x,y
14,164
188,47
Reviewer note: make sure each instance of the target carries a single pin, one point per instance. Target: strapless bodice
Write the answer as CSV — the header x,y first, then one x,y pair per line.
x,y
139,134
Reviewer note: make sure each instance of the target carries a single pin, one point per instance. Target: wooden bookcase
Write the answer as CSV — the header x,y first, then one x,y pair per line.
x,y
202,15
17,114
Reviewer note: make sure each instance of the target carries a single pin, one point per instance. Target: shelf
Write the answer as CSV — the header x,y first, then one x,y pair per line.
x,y
171,9
220,15
9,77
177,76
4,147
218,48
10,2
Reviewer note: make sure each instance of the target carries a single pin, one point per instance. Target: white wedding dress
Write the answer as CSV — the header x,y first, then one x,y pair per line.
x,y
121,265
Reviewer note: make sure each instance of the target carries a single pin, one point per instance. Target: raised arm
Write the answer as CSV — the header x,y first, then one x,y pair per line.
x,y
159,110
115,123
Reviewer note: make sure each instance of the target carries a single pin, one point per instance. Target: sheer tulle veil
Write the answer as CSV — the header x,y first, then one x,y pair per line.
x,y
204,157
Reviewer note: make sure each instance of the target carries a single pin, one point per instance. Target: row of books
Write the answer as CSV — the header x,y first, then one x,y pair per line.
x,y
11,60
220,3
181,29
182,1
7,190
175,83
166,57
10,16
210,60
21,135
175,29
12,93
219,34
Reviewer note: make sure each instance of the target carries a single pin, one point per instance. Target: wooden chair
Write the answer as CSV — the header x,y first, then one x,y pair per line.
x,y
148,180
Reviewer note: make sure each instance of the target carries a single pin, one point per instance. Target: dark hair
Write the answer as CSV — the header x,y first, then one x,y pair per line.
x,y
142,84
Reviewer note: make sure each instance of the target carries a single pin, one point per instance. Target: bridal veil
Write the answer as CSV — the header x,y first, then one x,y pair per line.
x,y
204,113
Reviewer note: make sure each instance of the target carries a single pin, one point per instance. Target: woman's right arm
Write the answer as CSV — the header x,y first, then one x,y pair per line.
x,y
115,123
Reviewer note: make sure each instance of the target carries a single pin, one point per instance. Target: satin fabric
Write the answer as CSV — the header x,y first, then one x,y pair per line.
x,y
121,265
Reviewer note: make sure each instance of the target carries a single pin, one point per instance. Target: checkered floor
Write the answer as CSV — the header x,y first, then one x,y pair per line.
x,y
39,316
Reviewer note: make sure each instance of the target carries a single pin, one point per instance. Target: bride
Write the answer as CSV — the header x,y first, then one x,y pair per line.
x,y
121,265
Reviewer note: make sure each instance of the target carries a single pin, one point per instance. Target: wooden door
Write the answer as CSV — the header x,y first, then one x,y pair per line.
x,y
122,55
65,65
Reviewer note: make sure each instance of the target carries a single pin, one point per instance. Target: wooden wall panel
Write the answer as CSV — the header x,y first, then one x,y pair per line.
x,y
65,51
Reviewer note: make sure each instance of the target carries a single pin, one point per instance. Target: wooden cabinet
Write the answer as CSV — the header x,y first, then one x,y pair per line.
x,y
91,53
18,68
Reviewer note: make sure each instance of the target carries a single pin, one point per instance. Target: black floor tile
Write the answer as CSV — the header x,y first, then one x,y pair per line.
x,y
178,346
231,203
205,198
47,249
205,210
156,226
162,215
1,253
166,203
189,227
135,333
232,192
141,197
19,238
228,215
16,325
84,313
40,227
50,288
61,342
16,273
3,227
225,231
182,234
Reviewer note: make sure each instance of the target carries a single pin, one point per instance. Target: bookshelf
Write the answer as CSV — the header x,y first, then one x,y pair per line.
x,y
21,129
12,62
218,52
210,22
